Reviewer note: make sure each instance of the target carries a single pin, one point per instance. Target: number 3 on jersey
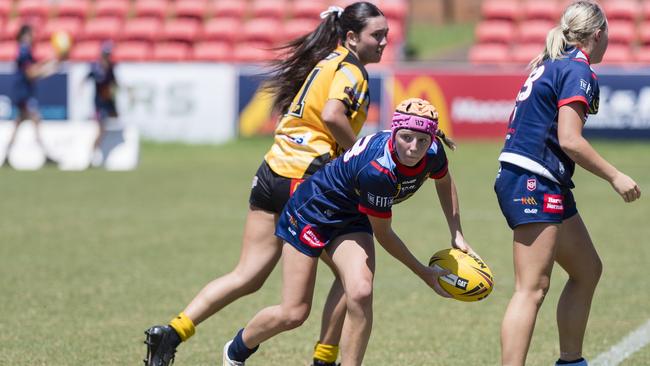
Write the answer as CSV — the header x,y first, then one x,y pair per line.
x,y
527,89
357,148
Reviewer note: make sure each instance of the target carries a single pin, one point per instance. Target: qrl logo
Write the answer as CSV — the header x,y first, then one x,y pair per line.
x,y
531,184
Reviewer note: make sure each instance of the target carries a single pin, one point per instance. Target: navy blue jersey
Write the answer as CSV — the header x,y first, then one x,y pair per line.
x,y
23,86
532,140
366,180
104,79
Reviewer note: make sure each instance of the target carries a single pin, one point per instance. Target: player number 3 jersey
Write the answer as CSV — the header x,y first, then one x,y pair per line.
x,y
303,144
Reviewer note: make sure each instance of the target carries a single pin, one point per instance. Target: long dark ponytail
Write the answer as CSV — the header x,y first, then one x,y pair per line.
x,y
302,54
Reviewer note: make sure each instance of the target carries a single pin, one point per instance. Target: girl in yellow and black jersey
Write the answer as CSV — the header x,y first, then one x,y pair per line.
x,y
321,88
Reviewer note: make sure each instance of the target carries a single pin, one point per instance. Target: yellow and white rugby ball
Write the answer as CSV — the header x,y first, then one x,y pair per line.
x,y
470,278
61,42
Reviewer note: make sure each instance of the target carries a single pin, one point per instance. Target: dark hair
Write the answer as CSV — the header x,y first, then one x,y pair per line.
x,y
24,29
302,54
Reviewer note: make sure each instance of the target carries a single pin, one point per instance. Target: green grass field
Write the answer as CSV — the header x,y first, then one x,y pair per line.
x,y
89,260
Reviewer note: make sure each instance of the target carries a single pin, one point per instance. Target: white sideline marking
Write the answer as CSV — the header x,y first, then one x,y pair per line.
x,y
625,348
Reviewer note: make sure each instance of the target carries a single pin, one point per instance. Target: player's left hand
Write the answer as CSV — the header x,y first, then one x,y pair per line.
x,y
459,242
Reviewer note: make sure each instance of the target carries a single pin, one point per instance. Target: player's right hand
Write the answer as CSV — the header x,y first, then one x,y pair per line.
x,y
626,187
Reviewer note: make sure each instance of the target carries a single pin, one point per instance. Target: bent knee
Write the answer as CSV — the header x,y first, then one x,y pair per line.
x,y
295,316
535,293
360,294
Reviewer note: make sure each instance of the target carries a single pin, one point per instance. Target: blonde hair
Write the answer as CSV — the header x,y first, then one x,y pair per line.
x,y
579,21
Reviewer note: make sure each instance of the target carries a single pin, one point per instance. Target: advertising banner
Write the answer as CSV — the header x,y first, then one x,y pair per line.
x,y
51,94
172,102
470,104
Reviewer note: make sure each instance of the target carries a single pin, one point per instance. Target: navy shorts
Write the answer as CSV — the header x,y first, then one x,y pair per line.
x,y
271,191
311,238
526,197
104,110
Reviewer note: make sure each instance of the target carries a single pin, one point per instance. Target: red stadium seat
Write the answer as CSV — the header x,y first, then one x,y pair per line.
x,y
295,28
33,9
501,9
142,29
8,50
642,55
252,52
622,9
618,54
73,8
115,8
221,29
85,51
190,8
273,9
5,8
394,9
171,51
150,8
622,32
132,51
526,52
644,33
10,30
104,28
43,51
492,31
184,30
308,9
548,10
534,31
229,8
395,31
212,51
645,11
72,26
262,30
495,53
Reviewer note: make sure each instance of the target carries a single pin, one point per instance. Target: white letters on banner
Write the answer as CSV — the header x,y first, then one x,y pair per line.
x,y
175,102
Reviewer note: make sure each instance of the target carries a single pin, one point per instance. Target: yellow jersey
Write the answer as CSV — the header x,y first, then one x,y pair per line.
x,y
303,144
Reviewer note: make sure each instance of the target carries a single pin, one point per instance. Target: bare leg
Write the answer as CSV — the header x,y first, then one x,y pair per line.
x,y
577,255
354,256
260,253
298,278
334,310
534,251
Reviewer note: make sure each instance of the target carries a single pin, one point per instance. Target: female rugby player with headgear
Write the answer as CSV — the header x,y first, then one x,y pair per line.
x,y
337,211
533,187
321,87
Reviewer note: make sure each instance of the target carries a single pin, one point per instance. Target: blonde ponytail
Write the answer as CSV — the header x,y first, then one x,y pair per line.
x,y
579,21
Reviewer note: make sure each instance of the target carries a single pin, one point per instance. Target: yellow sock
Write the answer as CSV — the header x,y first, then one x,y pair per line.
x,y
326,352
183,326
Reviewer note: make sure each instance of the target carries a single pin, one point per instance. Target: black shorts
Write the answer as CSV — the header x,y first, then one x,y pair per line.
x,y
271,191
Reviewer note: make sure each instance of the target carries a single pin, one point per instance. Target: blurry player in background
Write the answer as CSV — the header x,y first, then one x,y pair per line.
x,y
534,184
28,71
103,75
321,88
337,211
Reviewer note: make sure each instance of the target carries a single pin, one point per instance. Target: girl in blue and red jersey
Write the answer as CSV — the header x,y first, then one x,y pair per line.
x,y
543,143
337,210
28,71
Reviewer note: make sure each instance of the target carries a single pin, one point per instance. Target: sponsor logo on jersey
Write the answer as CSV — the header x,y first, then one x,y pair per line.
x,y
526,201
311,237
298,139
553,203
380,201
531,184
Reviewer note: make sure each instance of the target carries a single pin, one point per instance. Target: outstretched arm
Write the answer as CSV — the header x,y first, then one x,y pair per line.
x,y
448,197
570,124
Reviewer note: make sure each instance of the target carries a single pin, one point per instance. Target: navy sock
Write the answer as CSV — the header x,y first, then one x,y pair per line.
x,y
238,350
562,362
